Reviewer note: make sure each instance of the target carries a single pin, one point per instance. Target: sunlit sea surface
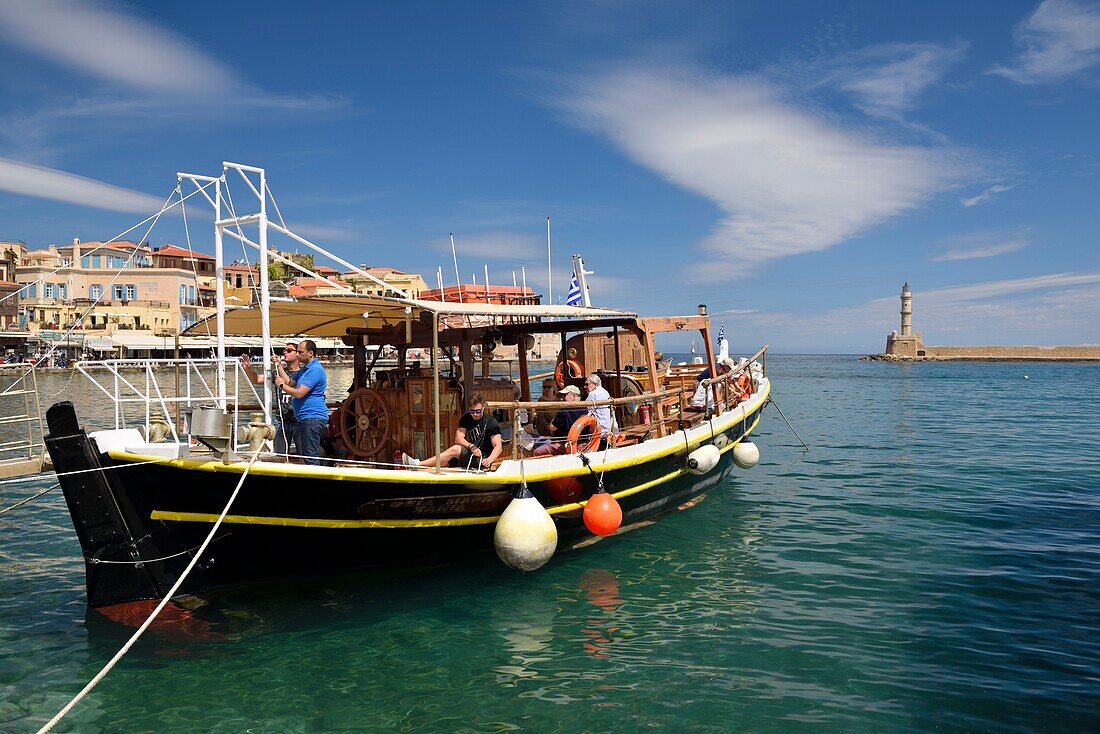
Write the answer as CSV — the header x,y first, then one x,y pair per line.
x,y
931,564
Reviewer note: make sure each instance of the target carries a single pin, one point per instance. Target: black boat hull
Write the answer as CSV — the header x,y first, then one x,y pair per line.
x,y
140,522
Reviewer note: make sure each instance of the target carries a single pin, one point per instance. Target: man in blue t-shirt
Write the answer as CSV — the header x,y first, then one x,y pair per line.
x,y
308,391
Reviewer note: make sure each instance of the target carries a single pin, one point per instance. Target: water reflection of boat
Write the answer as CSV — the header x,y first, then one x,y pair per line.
x,y
143,501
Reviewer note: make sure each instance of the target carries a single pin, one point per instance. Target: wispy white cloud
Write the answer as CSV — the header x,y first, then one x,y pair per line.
x,y
986,196
887,79
960,294
1060,38
47,183
983,244
787,181
147,76
102,40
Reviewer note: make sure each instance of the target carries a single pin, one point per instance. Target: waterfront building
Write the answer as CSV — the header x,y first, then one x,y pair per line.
x,y
243,282
410,283
10,253
306,287
96,286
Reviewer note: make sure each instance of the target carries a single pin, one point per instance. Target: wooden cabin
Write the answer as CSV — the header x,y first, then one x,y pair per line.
x,y
394,409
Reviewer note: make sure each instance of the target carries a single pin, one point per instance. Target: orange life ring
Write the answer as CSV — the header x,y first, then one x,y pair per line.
x,y
585,421
576,369
742,387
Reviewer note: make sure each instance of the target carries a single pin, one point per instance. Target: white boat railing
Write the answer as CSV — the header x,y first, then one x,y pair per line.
x,y
21,443
119,380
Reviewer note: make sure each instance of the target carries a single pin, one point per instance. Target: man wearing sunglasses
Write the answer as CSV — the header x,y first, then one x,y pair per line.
x,y
308,392
282,407
477,440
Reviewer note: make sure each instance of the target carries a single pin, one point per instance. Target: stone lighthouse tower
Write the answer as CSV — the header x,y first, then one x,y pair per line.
x,y
907,343
906,310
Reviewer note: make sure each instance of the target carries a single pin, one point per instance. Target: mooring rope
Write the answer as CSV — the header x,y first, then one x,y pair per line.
x,y
35,477
163,602
804,444
20,503
143,561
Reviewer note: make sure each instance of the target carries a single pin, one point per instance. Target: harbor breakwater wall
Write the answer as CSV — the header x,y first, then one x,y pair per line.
x,y
994,354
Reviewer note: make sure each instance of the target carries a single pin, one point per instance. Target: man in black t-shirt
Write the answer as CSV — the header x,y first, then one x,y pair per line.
x,y
477,441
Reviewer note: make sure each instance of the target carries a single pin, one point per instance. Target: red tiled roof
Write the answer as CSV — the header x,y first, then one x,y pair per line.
x,y
113,245
174,251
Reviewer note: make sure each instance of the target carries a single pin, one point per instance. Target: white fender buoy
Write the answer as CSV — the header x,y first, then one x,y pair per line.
x,y
746,455
525,536
703,459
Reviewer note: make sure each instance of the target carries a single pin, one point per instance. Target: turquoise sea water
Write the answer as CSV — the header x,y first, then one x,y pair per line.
x,y
932,564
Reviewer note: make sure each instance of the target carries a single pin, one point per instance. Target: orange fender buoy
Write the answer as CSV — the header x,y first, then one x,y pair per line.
x,y
585,421
576,369
564,489
602,514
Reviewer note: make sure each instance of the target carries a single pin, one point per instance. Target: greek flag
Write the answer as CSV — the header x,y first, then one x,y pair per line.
x,y
721,336
574,297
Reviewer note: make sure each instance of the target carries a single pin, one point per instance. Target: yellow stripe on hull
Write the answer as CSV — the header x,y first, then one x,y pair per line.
x,y
295,522
344,474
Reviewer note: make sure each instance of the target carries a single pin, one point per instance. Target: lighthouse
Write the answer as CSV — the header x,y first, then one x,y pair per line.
x,y
907,343
906,310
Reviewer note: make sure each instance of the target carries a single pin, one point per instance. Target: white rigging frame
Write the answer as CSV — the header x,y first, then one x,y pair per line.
x,y
228,221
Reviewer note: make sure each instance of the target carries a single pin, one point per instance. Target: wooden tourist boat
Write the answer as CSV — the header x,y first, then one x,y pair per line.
x,y
146,495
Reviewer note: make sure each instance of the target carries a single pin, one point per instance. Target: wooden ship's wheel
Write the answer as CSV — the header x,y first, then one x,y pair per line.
x,y
364,423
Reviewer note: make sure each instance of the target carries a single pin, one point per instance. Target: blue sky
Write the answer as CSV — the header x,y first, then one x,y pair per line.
x,y
789,164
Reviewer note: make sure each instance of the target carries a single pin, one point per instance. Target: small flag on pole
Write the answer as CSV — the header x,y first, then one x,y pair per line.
x,y
721,336
574,296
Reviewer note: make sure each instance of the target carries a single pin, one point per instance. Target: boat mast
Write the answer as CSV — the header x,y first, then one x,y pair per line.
x,y
549,267
578,264
265,296
219,272
260,219
458,278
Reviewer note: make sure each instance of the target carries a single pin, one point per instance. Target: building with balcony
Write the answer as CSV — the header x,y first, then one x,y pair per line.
x,y
106,286
11,251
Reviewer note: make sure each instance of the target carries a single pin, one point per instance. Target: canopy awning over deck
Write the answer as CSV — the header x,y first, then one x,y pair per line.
x,y
339,316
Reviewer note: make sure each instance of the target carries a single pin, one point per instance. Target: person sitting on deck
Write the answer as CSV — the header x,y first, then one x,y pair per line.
x,y
562,422
596,391
477,438
703,399
724,367
542,418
